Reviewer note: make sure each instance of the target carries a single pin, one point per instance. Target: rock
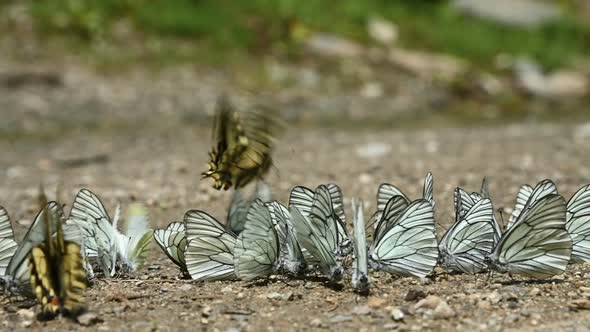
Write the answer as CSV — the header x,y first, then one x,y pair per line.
x,y
534,292
316,322
415,295
26,314
371,90
361,310
494,297
280,296
382,31
522,13
26,323
376,302
430,302
88,319
373,150
397,314
428,66
581,304
443,311
330,45
185,288
340,319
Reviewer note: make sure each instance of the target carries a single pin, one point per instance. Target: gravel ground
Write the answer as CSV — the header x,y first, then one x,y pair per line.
x,y
160,166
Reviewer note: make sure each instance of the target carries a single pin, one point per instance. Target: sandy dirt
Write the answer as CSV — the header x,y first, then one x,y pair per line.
x,y
160,167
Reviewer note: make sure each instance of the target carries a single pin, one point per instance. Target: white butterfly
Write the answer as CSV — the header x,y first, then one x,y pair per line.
x,y
7,243
538,244
405,242
209,252
471,238
172,240
386,191
104,242
319,229
528,193
360,275
292,259
256,252
578,224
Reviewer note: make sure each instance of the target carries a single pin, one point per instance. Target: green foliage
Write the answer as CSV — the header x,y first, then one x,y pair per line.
x,y
279,25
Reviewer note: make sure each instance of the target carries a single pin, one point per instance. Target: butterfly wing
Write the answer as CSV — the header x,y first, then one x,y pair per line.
x,y
528,195
538,245
172,240
323,211
428,192
292,258
86,210
470,240
384,193
393,209
257,248
210,249
578,224
139,236
408,248
7,244
337,201
360,275
302,199
238,209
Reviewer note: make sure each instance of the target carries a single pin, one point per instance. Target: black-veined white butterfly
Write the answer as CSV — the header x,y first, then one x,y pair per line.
x,y
405,238
538,244
172,240
209,251
292,259
7,243
578,224
239,205
256,253
386,191
360,275
471,238
319,229
527,193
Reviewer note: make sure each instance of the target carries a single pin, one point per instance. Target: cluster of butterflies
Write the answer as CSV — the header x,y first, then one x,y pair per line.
x,y
310,235
58,256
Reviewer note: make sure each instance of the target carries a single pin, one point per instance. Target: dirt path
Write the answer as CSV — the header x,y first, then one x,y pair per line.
x,y
160,166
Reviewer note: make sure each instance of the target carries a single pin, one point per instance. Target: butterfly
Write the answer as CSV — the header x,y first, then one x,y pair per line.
x,y
292,259
244,143
537,245
386,191
172,240
471,238
238,208
7,243
527,193
57,273
465,201
404,241
209,252
360,276
102,239
578,224
256,252
319,229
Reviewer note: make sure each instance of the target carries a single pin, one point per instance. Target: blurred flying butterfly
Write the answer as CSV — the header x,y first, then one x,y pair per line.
x,y
57,274
471,238
209,251
360,275
172,240
256,253
386,191
404,241
244,144
578,224
538,244
527,193
319,229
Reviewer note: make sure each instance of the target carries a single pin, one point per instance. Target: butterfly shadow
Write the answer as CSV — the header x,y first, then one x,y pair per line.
x,y
514,282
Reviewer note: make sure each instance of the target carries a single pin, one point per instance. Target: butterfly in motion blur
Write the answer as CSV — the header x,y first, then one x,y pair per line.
x,y
244,144
56,266
537,244
239,206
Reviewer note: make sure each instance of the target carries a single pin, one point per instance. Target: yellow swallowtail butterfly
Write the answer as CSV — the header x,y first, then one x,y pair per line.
x,y
244,143
56,267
